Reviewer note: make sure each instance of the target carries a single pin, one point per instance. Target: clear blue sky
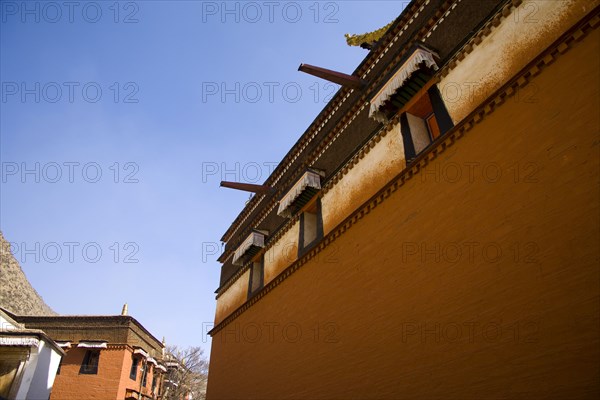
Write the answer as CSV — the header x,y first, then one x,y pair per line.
x,y
162,134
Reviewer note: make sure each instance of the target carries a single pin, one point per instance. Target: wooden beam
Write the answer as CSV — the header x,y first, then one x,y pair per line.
x,y
417,96
247,187
333,76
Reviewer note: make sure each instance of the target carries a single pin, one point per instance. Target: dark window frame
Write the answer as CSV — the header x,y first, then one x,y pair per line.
x,y
261,265
135,361
154,381
439,110
302,247
442,118
91,360
144,374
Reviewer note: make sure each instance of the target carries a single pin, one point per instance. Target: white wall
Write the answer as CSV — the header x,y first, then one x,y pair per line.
x,y
45,372
40,368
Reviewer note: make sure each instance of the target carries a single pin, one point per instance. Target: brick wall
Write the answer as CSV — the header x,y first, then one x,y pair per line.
x,y
71,385
111,382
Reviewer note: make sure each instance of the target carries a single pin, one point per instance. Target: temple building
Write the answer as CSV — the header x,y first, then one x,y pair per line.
x,y
29,361
105,357
434,233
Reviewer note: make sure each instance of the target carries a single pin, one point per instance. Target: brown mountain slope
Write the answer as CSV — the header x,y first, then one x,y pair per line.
x,y
16,293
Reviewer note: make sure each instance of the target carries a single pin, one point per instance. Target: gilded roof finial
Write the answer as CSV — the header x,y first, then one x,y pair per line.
x,y
367,40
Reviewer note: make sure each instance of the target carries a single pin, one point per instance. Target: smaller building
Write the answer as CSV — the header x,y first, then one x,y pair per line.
x,y
29,360
106,357
176,373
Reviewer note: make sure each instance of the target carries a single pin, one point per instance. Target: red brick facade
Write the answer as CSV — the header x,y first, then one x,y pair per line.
x,y
119,339
112,380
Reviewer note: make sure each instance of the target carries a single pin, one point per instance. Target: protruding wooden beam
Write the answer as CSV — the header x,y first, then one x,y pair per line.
x,y
247,187
333,76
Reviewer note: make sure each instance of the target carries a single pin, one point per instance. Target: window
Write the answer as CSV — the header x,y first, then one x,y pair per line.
x,y
154,383
424,121
134,368
411,92
433,126
299,195
303,198
90,362
12,360
417,128
256,276
404,95
311,226
249,247
144,374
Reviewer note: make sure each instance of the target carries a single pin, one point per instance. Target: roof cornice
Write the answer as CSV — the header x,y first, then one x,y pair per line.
x,y
71,319
401,23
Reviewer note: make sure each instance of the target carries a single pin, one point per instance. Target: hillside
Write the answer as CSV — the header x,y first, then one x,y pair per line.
x,y
16,293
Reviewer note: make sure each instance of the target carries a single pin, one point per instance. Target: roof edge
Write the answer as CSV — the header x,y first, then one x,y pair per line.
x,y
22,319
369,59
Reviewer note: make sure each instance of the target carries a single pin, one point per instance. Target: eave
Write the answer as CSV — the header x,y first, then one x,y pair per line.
x,y
372,58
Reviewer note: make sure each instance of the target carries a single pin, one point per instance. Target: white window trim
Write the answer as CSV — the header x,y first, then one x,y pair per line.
x,y
309,179
402,75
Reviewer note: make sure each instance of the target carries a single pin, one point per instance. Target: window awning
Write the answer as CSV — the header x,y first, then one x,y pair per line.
x,y
19,341
255,239
141,353
151,361
92,345
64,344
418,57
308,180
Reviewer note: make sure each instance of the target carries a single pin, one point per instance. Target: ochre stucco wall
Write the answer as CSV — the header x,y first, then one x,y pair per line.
x,y
378,167
233,297
523,34
282,254
403,314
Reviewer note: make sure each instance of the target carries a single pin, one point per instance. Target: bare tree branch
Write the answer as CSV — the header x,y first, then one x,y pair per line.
x,y
191,376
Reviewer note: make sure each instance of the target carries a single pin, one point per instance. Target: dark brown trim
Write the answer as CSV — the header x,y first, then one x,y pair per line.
x,y
261,265
25,319
350,81
247,187
439,110
409,147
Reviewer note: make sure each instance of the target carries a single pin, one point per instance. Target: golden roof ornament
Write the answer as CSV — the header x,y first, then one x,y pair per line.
x,y
367,40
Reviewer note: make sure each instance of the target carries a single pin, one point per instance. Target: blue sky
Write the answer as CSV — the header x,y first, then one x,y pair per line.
x,y
117,122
